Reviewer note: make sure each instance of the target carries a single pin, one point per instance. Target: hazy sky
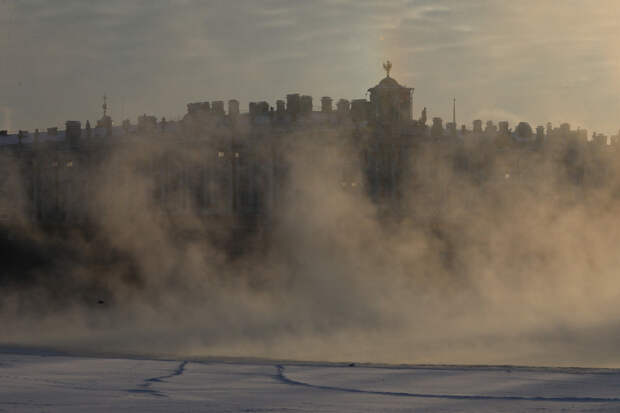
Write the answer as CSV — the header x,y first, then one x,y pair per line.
x,y
534,60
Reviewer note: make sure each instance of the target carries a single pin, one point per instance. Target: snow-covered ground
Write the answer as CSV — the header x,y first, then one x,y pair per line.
x,y
39,382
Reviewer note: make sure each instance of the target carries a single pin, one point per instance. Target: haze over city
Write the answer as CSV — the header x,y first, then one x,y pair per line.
x,y
333,206
534,61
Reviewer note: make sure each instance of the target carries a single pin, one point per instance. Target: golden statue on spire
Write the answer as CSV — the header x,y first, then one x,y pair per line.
x,y
387,66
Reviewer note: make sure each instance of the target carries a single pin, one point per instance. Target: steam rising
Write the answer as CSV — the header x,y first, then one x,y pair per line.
x,y
494,269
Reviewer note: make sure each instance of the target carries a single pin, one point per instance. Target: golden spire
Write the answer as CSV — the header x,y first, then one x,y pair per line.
x,y
387,66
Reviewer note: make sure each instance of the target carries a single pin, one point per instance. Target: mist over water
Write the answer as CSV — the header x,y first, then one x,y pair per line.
x,y
499,269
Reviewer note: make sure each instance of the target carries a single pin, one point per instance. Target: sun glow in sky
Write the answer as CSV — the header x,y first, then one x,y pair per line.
x,y
533,60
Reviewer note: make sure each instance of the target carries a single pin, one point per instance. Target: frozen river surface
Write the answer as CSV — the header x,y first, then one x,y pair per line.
x,y
36,382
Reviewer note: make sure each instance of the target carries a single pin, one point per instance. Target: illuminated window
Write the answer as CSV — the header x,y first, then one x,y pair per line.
x,y
236,154
220,154
70,164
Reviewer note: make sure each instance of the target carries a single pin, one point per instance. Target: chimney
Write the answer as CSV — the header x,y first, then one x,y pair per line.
x,y
21,135
205,107
503,127
217,107
477,126
343,106
437,128
233,108
326,104
293,104
262,108
193,108
524,130
306,104
73,131
359,110
540,133
451,127
280,106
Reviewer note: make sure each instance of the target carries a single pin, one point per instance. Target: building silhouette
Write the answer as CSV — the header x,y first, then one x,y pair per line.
x,y
218,162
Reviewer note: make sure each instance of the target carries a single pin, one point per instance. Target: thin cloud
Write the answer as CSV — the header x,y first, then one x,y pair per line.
x,y
156,55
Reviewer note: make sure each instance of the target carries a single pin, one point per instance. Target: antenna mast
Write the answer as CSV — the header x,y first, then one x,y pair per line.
x,y
105,105
454,112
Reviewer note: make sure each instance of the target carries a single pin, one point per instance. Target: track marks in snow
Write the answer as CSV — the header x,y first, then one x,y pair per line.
x,y
280,376
145,388
179,370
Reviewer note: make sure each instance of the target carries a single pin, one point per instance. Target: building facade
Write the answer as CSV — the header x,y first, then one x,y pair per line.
x,y
230,166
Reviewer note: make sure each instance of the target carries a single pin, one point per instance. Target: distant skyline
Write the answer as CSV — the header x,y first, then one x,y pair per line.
x,y
531,60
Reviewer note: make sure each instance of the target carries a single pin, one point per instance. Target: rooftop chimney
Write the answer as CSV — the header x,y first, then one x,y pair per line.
x,y
343,106
73,131
477,126
306,104
217,107
326,104
233,108
293,104
503,127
